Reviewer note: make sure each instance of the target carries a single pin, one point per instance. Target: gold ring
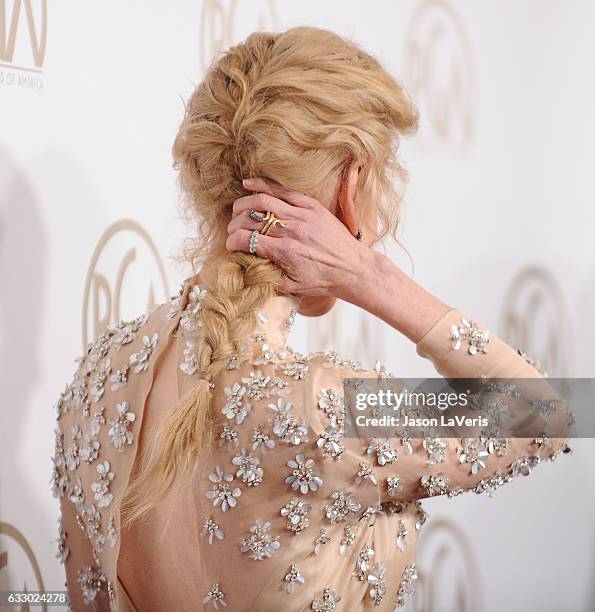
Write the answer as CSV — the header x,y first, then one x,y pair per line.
x,y
270,222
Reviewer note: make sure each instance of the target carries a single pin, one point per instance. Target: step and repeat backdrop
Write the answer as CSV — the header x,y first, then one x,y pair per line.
x,y
498,220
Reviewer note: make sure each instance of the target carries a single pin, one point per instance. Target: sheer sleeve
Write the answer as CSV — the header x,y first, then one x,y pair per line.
x,y
408,468
98,425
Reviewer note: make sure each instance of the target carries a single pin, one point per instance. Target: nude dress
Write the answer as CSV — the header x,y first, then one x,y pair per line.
x,y
286,513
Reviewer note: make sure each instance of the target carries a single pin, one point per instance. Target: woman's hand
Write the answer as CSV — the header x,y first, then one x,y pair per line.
x,y
320,257
315,250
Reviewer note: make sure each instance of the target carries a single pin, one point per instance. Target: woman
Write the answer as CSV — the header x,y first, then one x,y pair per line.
x,y
199,460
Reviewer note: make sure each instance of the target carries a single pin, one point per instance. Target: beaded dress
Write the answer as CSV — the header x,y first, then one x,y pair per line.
x,y
286,513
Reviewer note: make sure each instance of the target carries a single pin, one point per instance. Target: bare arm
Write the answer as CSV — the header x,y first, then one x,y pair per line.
x,y
388,293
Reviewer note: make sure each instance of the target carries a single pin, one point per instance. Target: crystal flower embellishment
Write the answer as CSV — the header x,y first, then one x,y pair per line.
x,y
259,544
302,477
222,493
470,332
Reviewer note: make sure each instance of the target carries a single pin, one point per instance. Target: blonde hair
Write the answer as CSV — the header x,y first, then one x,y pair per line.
x,y
294,107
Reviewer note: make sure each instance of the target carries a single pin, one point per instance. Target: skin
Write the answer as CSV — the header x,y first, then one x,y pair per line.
x,y
323,261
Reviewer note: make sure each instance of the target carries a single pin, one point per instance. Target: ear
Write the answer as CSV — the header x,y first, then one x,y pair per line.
x,y
346,197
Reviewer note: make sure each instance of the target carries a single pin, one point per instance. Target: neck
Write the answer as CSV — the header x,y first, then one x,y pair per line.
x,y
210,269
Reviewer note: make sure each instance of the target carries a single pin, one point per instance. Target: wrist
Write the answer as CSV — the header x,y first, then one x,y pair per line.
x,y
357,280
384,290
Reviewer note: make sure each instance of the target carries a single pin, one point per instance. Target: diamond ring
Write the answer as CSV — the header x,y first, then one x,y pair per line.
x,y
255,215
253,242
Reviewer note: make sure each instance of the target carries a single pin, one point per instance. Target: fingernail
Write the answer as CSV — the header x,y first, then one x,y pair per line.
x,y
248,181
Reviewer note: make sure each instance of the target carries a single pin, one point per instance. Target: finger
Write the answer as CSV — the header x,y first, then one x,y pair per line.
x,y
276,189
266,246
244,221
288,285
264,202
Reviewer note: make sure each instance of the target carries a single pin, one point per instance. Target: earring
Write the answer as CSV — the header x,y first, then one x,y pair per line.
x,y
358,236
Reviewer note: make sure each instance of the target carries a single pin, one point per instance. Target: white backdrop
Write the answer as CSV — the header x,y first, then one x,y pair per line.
x,y
499,219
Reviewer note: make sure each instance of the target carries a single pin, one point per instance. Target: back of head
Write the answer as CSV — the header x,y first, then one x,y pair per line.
x,y
295,107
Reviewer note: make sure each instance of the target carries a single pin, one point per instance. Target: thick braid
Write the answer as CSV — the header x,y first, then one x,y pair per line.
x,y
228,313
244,284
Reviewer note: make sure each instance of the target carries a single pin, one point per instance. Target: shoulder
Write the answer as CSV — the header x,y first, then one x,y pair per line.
x,y
122,350
332,364
326,375
99,411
